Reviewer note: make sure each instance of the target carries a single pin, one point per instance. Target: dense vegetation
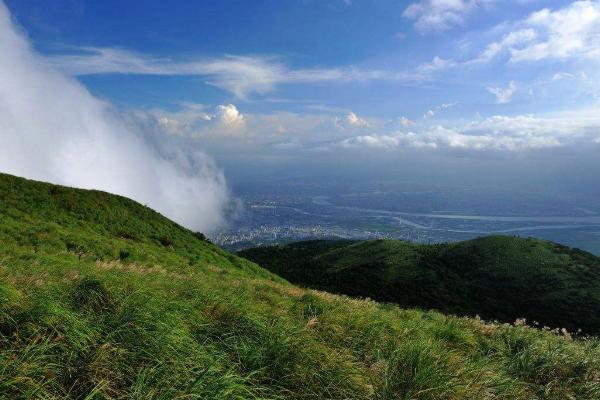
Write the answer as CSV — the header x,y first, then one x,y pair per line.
x,y
101,297
495,277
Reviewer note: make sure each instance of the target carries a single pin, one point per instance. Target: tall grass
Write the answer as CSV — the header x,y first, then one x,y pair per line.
x,y
187,321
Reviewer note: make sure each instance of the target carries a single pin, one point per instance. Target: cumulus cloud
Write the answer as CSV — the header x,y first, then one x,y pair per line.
x,y
298,133
230,117
350,122
440,15
53,129
191,119
503,95
225,128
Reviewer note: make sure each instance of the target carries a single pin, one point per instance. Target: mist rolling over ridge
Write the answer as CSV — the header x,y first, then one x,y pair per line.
x,y
53,129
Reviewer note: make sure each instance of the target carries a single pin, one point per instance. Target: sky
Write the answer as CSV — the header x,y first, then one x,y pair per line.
x,y
505,92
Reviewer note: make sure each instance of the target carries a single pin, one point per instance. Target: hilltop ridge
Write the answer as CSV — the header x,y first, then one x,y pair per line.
x,y
495,277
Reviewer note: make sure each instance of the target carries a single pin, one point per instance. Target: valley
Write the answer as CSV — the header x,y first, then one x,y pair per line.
x,y
303,212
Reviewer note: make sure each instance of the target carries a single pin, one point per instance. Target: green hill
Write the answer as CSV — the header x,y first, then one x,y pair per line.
x,y
495,277
101,297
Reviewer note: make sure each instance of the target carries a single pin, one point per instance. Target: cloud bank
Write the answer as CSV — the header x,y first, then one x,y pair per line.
x,y
497,133
53,129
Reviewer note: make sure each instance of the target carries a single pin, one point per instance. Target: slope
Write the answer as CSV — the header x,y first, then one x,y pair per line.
x,y
100,297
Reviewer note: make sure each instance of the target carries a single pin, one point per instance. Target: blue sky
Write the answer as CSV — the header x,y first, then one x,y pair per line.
x,y
464,85
380,59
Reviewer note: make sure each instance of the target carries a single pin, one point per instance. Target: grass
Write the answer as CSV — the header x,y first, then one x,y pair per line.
x,y
496,277
186,320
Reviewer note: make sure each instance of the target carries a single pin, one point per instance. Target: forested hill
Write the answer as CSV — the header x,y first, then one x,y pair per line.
x,y
495,277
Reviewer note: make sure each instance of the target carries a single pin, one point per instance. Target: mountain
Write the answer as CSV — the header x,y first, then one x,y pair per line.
x,y
496,277
101,297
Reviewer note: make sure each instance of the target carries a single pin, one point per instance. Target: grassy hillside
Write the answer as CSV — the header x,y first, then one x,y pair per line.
x,y
495,277
101,297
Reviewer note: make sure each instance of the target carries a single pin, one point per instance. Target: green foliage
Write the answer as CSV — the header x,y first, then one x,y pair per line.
x,y
78,320
496,277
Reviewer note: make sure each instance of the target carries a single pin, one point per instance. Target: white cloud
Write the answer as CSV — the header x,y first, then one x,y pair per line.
x,y
240,75
447,105
560,76
571,32
405,121
431,113
372,141
299,132
507,43
230,117
437,64
176,122
53,129
227,129
195,120
497,133
569,126
350,122
439,137
317,132
440,15
353,120
523,132
503,96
